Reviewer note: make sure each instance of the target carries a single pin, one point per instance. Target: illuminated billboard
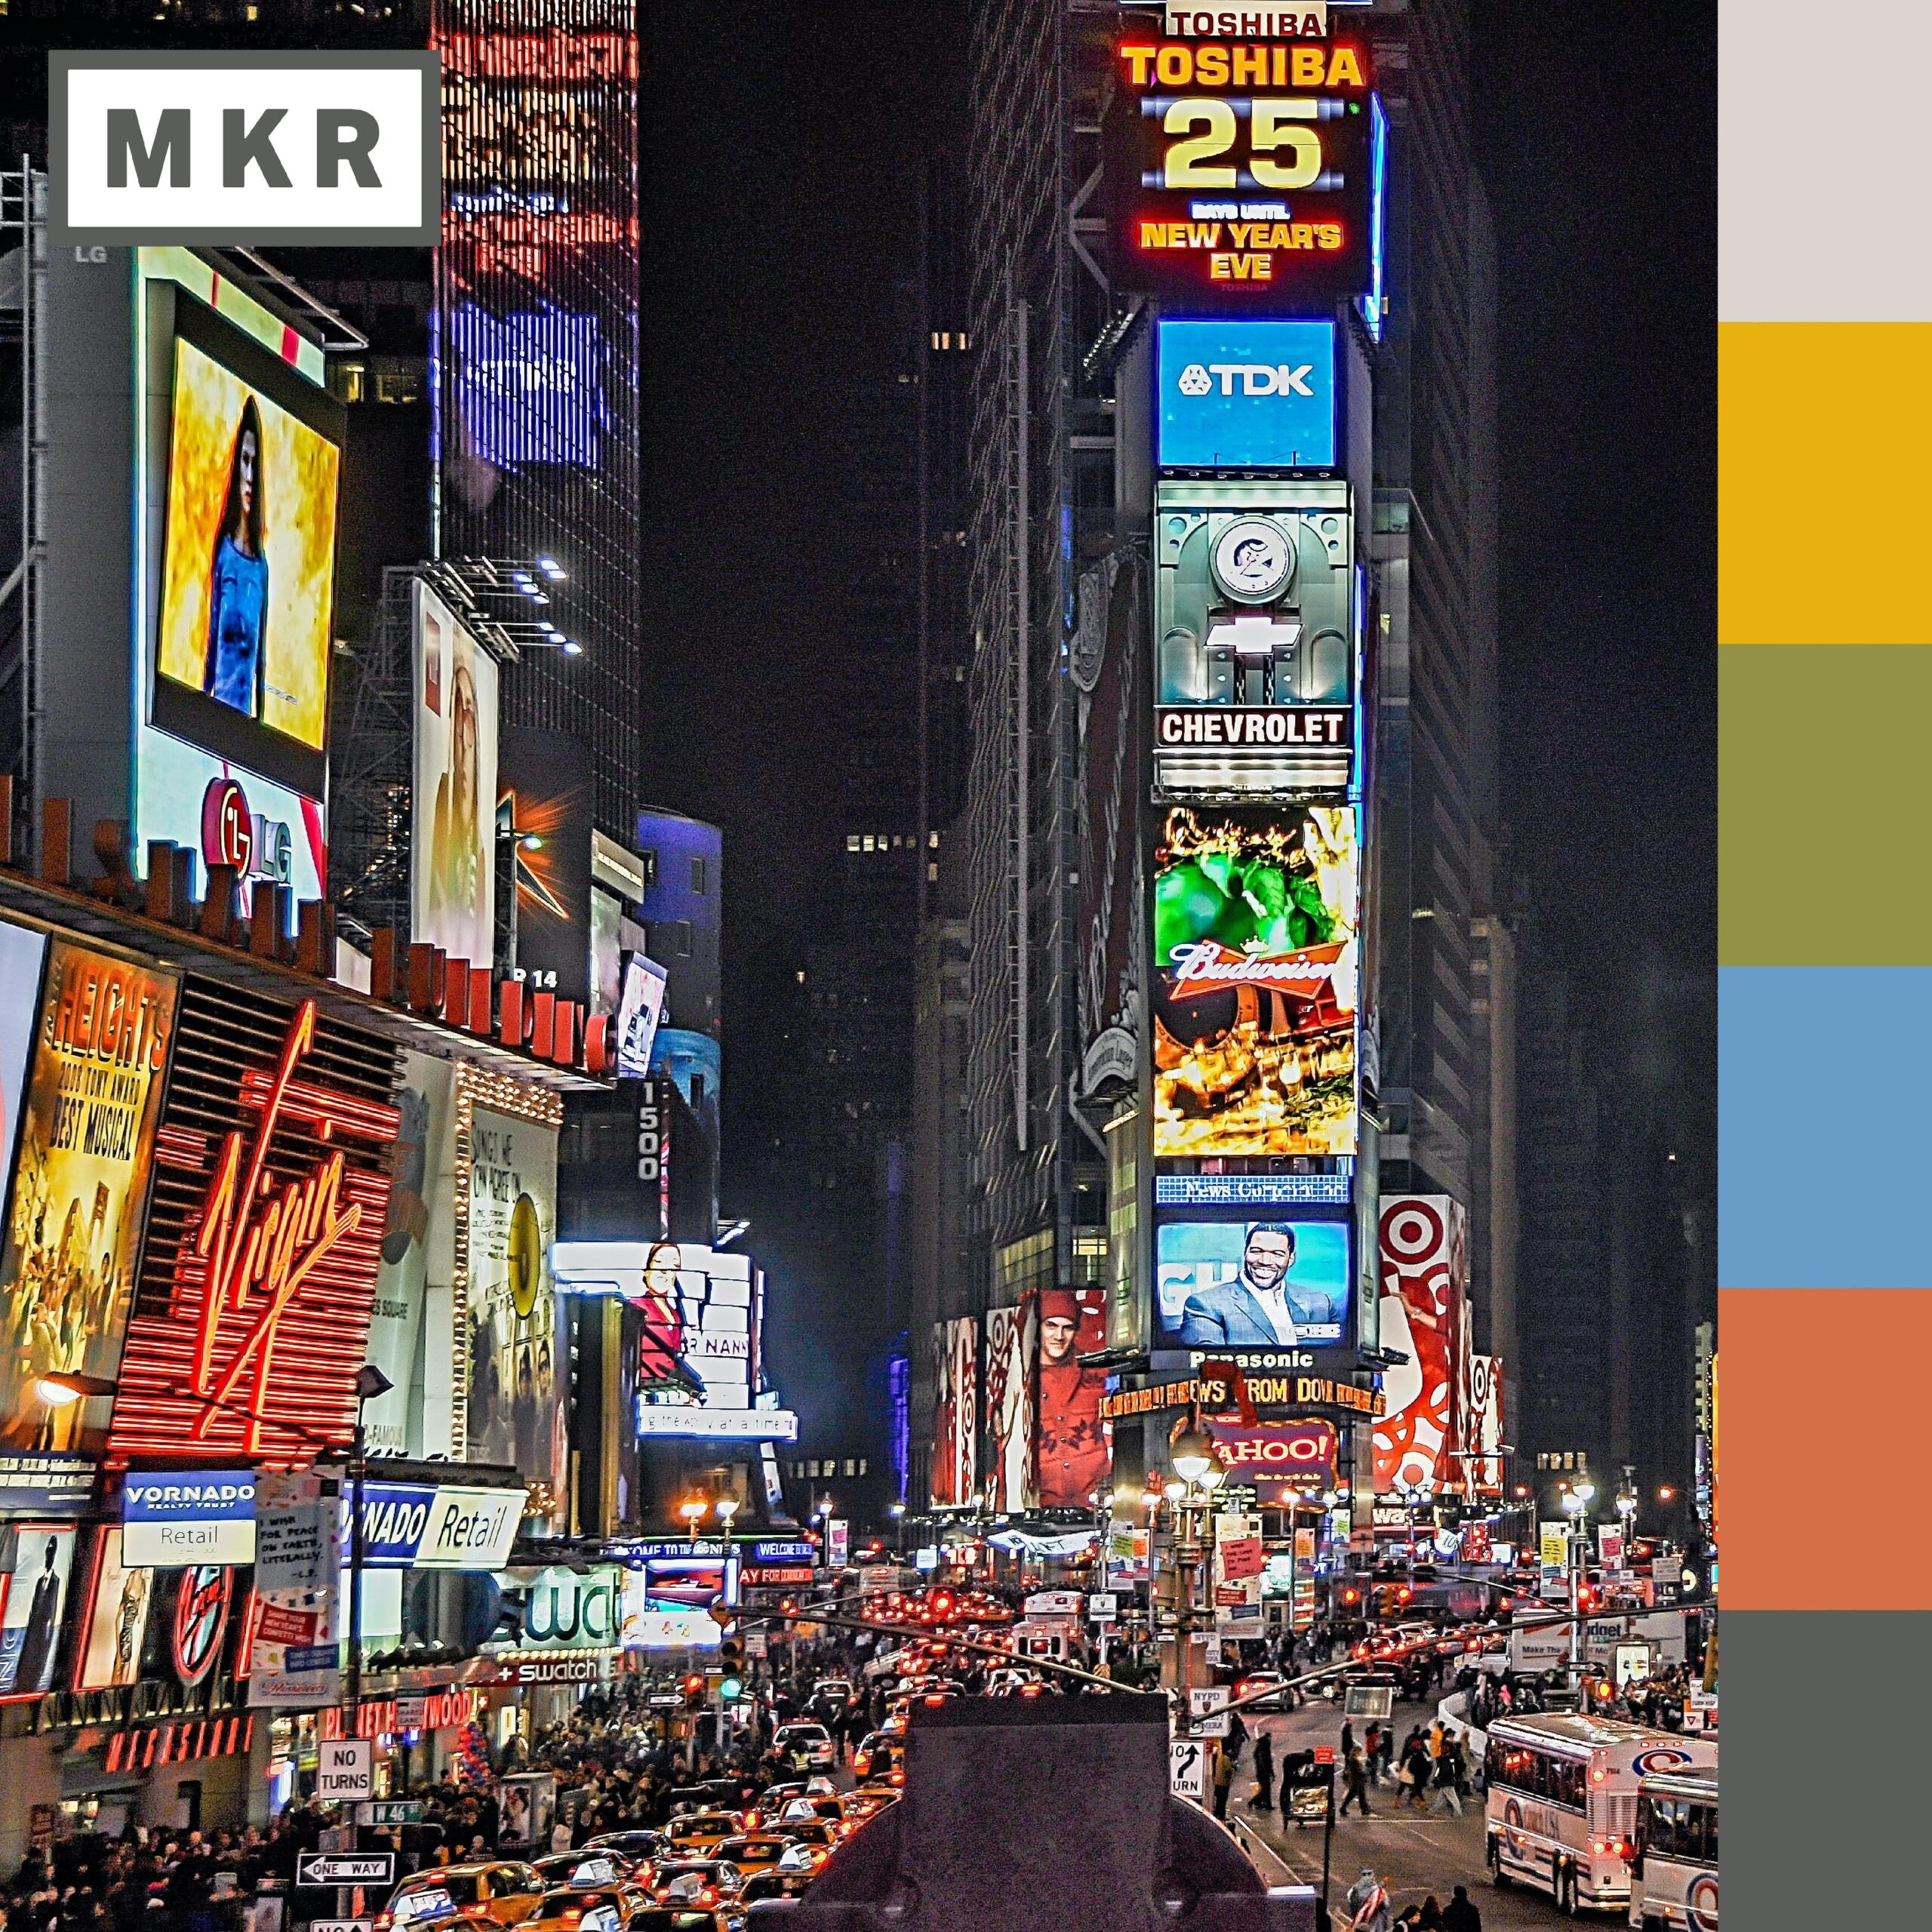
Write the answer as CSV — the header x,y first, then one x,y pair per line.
x,y
1255,922
518,1338
453,848
1012,1344
1239,171
85,1150
33,1613
237,455
1075,1447
1482,1419
529,385
412,1325
1245,394
114,1626
1425,1284
1252,1285
247,564
955,1475
258,1275
1256,624
22,950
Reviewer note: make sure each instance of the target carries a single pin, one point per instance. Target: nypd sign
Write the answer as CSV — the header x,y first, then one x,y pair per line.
x,y
1247,395
173,1518
338,148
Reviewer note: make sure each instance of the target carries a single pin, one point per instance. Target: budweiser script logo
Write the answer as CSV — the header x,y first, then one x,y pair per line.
x,y
1207,966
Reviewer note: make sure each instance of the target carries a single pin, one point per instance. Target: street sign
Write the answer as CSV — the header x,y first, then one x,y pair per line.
x,y
1103,1607
347,1771
1324,1754
1206,1706
342,1925
346,1867
756,1643
665,1700
410,1713
1187,1769
390,1811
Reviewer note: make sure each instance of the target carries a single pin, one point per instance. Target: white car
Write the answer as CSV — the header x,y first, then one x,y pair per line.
x,y
811,1742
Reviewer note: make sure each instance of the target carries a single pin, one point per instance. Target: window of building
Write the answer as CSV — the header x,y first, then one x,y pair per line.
x,y
649,857
684,938
697,874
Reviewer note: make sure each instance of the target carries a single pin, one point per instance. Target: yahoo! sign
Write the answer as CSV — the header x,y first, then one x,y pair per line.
x,y
339,148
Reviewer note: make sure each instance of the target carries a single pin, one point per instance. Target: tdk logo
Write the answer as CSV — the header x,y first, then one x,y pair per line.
x,y
1255,379
1253,395
341,149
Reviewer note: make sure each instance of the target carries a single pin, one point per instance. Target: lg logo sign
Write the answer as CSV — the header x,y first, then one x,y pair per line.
x,y
341,148
1255,378
257,846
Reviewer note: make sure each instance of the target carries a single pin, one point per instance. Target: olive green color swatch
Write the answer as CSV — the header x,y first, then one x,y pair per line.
x,y
1825,804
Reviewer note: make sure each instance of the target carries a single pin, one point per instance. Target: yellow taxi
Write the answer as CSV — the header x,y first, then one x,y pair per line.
x,y
501,1892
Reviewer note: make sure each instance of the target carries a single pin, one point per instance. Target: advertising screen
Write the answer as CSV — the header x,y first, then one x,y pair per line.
x,y
1075,1452
1246,395
519,1344
1482,1413
21,952
1425,1279
640,1011
33,1614
1012,1343
453,884
1252,1285
955,1412
1239,172
411,1324
1256,922
85,1149
250,562
114,1625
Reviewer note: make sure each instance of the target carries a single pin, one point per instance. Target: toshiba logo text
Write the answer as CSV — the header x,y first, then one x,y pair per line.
x,y
340,149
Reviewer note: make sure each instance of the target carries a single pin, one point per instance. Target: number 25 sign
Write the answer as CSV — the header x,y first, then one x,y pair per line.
x,y
1242,170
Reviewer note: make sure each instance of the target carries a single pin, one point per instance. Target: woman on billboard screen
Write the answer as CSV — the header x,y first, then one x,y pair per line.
x,y
238,577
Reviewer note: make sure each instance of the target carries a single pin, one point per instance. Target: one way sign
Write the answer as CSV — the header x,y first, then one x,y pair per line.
x,y
345,1868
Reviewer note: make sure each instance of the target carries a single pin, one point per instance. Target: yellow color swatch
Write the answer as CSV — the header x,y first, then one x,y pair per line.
x,y
1824,486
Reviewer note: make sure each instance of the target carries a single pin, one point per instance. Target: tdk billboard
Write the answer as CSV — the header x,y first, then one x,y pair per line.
x,y
1247,395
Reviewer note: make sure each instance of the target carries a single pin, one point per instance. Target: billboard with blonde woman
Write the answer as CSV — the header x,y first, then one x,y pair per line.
x,y
244,627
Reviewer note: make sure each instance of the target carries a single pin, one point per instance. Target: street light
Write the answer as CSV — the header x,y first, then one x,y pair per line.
x,y
1192,1456
61,1388
728,1507
693,1513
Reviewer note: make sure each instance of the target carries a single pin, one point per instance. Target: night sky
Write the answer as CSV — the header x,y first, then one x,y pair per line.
x,y
784,143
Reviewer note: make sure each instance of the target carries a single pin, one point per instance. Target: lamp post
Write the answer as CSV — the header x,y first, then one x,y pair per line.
x,y
693,1513
61,1388
1575,1501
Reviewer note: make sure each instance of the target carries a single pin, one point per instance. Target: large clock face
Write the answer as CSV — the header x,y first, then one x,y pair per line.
x,y
1254,560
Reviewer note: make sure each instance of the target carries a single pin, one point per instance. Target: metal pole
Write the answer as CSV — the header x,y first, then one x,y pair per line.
x,y
1328,1843
355,1574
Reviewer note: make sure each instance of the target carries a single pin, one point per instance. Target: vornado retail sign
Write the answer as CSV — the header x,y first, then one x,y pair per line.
x,y
340,149
411,1526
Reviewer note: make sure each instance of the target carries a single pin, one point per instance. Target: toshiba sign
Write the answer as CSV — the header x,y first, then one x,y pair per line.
x,y
340,148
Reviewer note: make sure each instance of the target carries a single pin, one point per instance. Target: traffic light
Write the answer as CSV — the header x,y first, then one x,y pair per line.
x,y
1351,1595
694,1692
731,1660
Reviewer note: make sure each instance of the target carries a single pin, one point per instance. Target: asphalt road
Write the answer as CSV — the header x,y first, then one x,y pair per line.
x,y
1412,1853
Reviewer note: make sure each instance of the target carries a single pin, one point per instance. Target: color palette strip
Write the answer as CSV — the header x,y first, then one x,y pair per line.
x,y
1825,981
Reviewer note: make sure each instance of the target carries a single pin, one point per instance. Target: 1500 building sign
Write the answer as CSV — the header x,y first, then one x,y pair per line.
x,y
1241,169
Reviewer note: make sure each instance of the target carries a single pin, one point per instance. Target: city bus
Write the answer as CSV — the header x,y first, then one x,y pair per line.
x,y
1561,1813
1674,1880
